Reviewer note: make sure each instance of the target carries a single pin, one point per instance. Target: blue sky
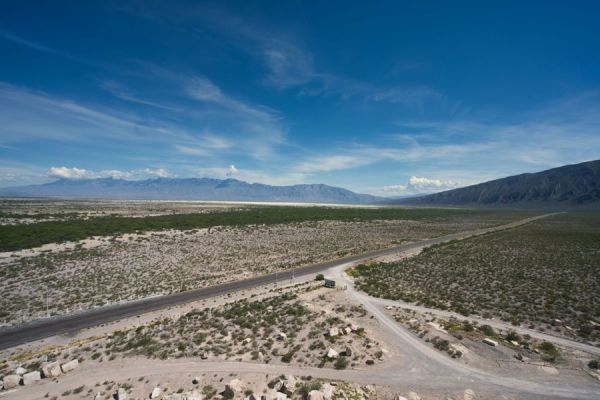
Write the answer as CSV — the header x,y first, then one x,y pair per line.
x,y
389,98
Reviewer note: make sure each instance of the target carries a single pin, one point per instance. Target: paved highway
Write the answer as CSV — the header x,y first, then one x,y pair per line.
x,y
44,328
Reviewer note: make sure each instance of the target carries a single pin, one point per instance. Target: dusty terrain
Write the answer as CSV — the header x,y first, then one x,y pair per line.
x,y
62,277
122,356
544,275
294,340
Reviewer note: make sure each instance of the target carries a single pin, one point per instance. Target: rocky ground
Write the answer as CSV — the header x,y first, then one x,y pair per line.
x,y
543,275
273,342
480,344
63,277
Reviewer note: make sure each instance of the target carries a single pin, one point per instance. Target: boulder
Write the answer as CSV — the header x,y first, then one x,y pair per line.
x,y
412,396
196,380
315,395
31,377
281,336
234,389
332,354
469,394
11,381
291,379
328,391
70,366
280,396
286,388
51,369
20,371
194,395
347,330
204,355
333,332
348,352
155,393
353,327
121,394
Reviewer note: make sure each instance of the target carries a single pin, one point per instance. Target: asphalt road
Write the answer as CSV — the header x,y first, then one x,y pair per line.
x,y
29,332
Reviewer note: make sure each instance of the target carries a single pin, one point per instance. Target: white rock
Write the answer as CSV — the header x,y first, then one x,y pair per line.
x,y
280,396
11,381
412,396
353,327
51,369
469,394
290,382
400,398
121,394
31,377
331,353
315,395
70,366
334,331
98,396
20,371
194,395
234,389
328,391
347,330
281,336
155,393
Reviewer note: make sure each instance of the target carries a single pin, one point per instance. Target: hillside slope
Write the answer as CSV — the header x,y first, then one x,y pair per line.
x,y
577,184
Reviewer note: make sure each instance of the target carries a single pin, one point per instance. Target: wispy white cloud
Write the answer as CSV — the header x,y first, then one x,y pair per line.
x,y
420,184
119,91
423,183
408,96
251,175
398,188
81,173
328,163
258,129
31,44
28,114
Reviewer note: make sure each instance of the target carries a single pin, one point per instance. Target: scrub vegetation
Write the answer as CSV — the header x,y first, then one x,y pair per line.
x,y
23,236
545,274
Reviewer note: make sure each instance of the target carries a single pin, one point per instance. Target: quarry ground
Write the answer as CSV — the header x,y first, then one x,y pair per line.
x,y
258,335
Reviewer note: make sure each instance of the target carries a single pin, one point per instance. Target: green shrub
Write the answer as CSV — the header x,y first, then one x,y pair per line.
x,y
341,363
487,330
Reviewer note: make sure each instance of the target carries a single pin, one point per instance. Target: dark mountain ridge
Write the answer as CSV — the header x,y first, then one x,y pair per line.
x,y
569,185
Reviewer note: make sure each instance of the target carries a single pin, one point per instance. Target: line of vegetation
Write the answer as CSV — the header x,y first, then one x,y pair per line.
x,y
16,237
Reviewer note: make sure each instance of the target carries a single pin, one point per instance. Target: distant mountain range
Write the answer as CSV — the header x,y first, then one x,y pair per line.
x,y
570,185
188,189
